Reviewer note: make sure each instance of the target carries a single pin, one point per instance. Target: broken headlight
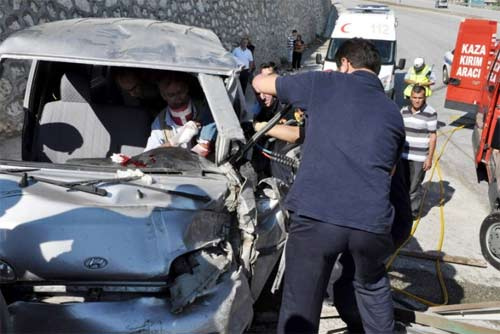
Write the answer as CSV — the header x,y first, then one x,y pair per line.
x,y
196,273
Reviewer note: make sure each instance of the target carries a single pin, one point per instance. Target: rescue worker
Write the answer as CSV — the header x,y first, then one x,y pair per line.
x,y
343,288
339,201
419,74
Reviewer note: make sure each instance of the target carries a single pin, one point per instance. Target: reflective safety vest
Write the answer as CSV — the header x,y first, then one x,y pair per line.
x,y
420,77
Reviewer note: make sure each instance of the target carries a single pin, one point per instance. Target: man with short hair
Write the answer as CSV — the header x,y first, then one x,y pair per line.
x,y
182,119
244,58
136,88
420,121
339,201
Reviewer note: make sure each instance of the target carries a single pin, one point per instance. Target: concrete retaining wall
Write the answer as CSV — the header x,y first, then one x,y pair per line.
x,y
266,22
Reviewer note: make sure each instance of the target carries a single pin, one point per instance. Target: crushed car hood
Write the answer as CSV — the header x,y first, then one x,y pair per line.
x,y
132,234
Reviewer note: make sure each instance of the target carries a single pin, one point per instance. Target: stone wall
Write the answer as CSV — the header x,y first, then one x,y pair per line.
x,y
266,22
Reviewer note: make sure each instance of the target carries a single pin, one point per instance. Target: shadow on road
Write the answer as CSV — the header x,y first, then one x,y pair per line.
x,y
433,196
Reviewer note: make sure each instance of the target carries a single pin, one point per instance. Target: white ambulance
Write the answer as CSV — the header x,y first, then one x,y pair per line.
x,y
376,23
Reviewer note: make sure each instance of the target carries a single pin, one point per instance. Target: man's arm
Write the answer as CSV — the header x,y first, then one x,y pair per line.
x,y
265,84
432,147
288,133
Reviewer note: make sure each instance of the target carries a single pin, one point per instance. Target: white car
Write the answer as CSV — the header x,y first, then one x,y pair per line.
x,y
441,4
448,60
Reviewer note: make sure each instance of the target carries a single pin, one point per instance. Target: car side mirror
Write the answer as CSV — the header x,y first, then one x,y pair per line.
x,y
319,59
495,140
401,64
454,81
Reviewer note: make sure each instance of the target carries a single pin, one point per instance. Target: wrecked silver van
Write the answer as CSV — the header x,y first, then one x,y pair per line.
x,y
165,242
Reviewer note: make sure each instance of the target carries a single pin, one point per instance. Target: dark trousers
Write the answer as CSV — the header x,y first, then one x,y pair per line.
x,y
415,174
296,59
244,77
311,251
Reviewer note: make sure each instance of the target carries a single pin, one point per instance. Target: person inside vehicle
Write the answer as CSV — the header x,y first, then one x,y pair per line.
x,y
419,74
137,88
185,122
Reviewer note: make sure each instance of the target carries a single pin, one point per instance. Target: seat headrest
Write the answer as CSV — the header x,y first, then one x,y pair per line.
x,y
75,88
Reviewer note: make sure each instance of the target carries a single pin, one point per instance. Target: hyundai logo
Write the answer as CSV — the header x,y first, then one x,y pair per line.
x,y
95,262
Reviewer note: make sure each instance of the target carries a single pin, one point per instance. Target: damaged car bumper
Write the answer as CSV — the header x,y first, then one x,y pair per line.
x,y
226,309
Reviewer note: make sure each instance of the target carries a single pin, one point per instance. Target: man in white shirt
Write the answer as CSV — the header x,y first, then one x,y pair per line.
x,y
244,58
183,119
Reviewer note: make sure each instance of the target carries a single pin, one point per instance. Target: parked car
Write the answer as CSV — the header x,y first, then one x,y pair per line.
x,y
441,4
164,241
448,60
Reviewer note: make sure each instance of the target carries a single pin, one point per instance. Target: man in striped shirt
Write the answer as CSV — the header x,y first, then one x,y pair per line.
x,y
420,121
290,44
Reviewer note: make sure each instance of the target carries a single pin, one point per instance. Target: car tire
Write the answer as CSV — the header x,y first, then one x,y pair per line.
x,y
446,75
489,239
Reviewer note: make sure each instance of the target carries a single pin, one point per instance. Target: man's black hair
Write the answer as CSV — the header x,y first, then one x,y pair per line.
x,y
294,31
417,89
269,64
361,53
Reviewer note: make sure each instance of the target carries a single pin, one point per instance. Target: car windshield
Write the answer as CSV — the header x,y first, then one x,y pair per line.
x,y
81,114
387,49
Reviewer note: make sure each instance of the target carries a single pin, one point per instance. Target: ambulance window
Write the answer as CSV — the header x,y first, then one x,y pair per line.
x,y
387,49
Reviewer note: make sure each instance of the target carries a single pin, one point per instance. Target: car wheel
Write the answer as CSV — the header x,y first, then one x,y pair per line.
x,y
489,238
446,75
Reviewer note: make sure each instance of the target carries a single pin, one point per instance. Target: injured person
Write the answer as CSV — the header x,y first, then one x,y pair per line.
x,y
185,122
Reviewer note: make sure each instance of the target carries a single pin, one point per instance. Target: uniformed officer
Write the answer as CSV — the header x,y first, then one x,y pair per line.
x,y
419,74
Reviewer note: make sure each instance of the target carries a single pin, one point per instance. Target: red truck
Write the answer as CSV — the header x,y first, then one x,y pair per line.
x,y
474,86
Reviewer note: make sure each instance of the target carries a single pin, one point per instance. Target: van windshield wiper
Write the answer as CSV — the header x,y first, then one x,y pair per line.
x,y
83,187
89,186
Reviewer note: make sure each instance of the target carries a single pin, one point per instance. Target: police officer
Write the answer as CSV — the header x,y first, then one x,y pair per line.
x,y
419,74
339,201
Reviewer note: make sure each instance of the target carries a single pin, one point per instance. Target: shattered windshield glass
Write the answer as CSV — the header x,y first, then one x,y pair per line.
x,y
162,159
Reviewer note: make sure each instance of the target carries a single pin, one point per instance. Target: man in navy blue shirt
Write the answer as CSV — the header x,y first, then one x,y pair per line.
x,y
339,201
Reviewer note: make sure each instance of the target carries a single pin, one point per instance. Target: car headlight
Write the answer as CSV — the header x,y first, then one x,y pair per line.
x,y
7,273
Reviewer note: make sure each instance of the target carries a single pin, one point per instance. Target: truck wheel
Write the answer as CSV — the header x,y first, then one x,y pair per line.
x,y
446,76
489,238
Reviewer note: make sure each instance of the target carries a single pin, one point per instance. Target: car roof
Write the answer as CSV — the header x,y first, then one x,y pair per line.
x,y
122,42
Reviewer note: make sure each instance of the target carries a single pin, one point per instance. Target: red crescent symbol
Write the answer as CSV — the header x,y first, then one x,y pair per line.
x,y
343,27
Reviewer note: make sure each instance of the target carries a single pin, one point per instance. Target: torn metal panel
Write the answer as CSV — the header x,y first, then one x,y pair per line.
x,y
207,227
209,265
226,309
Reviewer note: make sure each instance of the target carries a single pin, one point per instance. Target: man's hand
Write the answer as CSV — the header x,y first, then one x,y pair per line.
x,y
257,126
427,164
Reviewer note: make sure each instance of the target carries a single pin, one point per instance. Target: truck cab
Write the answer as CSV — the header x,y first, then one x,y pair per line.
x,y
474,87
376,23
